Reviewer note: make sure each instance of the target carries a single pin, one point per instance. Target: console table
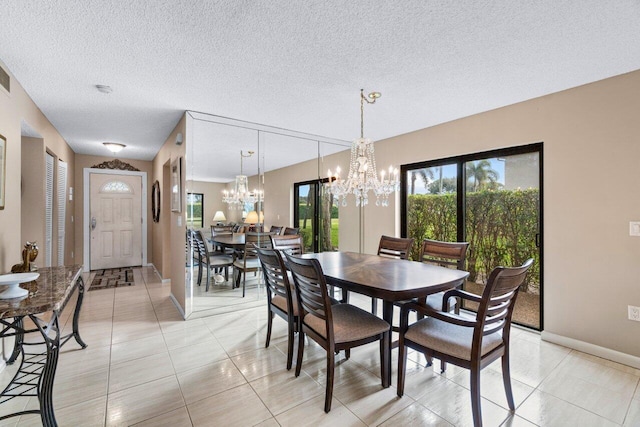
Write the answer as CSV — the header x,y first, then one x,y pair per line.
x,y
50,293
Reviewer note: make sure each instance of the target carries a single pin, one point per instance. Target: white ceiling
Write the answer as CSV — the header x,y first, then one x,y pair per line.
x,y
300,64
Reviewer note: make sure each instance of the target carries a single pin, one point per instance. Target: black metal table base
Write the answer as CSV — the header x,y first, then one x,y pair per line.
x,y
39,360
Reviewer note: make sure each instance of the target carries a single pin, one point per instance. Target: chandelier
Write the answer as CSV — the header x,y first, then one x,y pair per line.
x,y
240,194
363,176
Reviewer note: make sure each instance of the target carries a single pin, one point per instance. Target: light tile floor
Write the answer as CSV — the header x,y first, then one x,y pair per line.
x,y
145,366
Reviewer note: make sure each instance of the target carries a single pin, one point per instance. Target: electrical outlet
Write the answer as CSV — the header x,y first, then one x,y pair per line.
x,y
634,313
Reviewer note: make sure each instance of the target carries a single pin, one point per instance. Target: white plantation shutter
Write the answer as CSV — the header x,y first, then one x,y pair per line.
x,y
48,210
62,206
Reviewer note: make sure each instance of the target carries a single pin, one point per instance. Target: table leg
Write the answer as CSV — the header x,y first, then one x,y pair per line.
x,y
76,313
45,386
19,339
387,315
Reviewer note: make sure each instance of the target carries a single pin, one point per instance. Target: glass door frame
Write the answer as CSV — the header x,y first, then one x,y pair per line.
x,y
460,162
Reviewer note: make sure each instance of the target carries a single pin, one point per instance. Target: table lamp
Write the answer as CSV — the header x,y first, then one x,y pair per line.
x,y
219,218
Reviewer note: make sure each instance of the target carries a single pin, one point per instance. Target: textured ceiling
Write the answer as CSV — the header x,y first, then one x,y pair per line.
x,y
300,64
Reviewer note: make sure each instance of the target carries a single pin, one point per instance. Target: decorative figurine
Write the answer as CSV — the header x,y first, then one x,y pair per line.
x,y
29,254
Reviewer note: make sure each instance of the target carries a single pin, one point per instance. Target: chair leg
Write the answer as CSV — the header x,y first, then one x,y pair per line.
x,y
443,366
269,325
330,371
226,274
385,350
300,350
429,360
207,287
347,353
199,273
290,339
506,379
244,282
402,363
374,306
475,396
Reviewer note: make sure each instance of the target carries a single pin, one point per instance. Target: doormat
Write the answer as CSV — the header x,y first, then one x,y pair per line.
x,y
112,278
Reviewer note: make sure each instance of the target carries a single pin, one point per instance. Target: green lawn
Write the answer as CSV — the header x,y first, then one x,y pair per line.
x,y
306,232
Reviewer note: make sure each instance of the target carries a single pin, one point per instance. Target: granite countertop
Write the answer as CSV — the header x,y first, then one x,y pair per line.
x,y
50,292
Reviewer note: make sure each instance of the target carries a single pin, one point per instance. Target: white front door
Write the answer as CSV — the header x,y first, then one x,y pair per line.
x,y
115,220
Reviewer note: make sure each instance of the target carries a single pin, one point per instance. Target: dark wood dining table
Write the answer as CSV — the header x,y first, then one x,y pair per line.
x,y
389,279
234,240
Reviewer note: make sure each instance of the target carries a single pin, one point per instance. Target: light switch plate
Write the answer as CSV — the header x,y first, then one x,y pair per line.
x,y
634,228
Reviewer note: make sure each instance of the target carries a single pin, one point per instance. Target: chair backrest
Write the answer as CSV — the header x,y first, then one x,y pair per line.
x,y
276,229
217,230
499,298
311,291
445,254
200,246
395,247
253,241
292,243
291,230
275,275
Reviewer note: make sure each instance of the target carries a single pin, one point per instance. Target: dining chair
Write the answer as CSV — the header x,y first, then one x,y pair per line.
x,y
392,247
247,260
471,343
276,229
222,230
444,254
291,243
209,259
280,299
291,230
334,328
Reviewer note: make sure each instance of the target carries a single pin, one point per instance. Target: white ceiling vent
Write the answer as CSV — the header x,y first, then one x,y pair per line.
x,y
5,80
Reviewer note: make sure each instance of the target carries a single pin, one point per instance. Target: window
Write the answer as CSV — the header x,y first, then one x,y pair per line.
x,y
116,187
493,200
316,213
195,210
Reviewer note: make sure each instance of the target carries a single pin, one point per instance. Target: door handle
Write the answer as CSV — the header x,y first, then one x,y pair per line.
x,y
93,223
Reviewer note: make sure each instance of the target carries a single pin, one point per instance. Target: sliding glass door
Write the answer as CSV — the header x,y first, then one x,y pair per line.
x,y
316,213
491,200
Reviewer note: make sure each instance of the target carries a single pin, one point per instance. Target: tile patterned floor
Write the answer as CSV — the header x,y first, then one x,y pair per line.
x,y
146,367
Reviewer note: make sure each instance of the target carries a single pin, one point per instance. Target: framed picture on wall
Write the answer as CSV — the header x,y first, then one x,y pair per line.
x,y
3,172
176,199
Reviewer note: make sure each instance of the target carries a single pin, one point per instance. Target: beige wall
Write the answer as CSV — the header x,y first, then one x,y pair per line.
x,y
14,108
591,137
33,194
168,236
84,161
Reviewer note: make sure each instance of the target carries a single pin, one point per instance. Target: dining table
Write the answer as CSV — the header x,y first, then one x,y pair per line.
x,y
389,279
234,241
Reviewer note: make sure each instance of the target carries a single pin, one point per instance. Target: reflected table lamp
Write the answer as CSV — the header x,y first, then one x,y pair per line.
x,y
219,218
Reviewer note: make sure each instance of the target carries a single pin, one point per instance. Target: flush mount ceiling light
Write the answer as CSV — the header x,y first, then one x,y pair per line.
x,y
114,147
104,88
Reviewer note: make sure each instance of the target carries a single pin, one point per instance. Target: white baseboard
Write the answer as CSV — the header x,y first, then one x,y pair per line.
x,y
158,273
595,350
175,302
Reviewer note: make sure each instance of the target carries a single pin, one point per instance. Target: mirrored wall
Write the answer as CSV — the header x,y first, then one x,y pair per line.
x,y
224,212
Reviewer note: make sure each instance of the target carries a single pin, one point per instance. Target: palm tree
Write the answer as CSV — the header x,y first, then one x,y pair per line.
x,y
425,174
481,173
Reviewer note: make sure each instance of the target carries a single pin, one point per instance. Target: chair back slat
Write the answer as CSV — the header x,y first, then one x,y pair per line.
x,y
395,247
291,230
290,243
445,254
311,289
